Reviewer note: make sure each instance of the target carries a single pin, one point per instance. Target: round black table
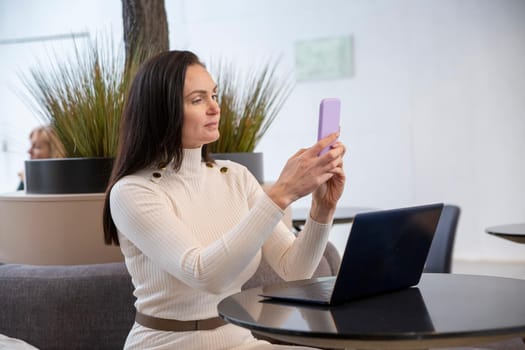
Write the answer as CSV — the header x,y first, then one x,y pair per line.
x,y
512,232
443,310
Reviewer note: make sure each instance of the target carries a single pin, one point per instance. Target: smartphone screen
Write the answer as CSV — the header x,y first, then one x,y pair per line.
x,y
329,117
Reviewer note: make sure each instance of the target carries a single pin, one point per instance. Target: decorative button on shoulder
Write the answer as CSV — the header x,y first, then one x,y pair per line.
x,y
157,175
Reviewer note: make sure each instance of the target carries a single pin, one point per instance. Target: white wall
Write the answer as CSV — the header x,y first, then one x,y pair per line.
x,y
434,111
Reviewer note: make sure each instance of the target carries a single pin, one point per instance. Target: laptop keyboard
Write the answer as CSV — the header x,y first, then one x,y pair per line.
x,y
315,291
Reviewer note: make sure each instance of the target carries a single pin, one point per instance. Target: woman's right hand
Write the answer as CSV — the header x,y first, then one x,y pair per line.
x,y
305,171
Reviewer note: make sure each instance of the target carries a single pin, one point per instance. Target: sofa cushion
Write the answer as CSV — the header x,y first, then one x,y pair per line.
x,y
67,307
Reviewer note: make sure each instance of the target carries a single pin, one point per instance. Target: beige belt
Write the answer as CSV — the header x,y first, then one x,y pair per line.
x,y
164,324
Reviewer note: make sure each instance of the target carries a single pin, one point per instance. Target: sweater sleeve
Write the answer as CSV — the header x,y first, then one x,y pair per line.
x,y
143,214
292,257
296,257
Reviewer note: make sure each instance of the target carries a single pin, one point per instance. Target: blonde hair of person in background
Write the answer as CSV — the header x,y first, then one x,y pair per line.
x,y
44,143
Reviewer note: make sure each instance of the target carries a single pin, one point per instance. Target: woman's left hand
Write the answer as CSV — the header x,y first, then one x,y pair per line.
x,y
326,196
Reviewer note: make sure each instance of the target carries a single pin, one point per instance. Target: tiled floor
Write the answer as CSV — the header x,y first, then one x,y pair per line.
x,y
493,268
513,269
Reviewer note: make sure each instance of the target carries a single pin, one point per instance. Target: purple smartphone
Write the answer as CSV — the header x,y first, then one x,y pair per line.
x,y
329,116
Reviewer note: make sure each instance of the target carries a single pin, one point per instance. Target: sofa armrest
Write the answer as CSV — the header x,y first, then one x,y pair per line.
x,y
87,306
67,307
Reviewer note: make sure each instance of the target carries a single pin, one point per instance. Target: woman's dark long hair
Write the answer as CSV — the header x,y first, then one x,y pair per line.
x,y
151,125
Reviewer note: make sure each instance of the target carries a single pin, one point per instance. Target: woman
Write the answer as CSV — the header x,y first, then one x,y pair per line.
x,y
193,230
44,144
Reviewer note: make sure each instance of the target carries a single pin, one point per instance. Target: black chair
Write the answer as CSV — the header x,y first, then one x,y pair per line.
x,y
439,257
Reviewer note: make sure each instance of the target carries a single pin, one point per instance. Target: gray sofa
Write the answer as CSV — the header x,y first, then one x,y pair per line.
x,y
86,306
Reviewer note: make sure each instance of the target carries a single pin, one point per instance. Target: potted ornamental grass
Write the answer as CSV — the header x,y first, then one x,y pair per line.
x,y
249,103
81,97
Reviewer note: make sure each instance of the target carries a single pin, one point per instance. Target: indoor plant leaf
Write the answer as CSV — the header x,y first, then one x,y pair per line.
x,y
249,104
82,97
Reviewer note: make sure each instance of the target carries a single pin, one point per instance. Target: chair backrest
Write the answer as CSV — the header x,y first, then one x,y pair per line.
x,y
440,255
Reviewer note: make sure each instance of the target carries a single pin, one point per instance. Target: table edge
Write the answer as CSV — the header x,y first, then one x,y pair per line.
x,y
419,343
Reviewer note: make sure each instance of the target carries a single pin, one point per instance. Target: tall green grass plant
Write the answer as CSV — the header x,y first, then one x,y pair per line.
x,y
82,97
249,104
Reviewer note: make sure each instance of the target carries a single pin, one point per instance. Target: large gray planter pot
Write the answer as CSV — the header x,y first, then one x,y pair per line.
x,y
67,175
252,160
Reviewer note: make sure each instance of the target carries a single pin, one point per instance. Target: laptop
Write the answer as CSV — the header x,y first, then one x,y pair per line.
x,y
386,251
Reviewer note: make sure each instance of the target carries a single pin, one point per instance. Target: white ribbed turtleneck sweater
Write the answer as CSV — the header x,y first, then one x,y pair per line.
x,y
194,236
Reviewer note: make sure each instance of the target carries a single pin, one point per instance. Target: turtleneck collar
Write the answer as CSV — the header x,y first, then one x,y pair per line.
x,y
191,161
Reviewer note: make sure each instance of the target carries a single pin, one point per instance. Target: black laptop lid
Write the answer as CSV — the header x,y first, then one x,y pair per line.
x,y
386,251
